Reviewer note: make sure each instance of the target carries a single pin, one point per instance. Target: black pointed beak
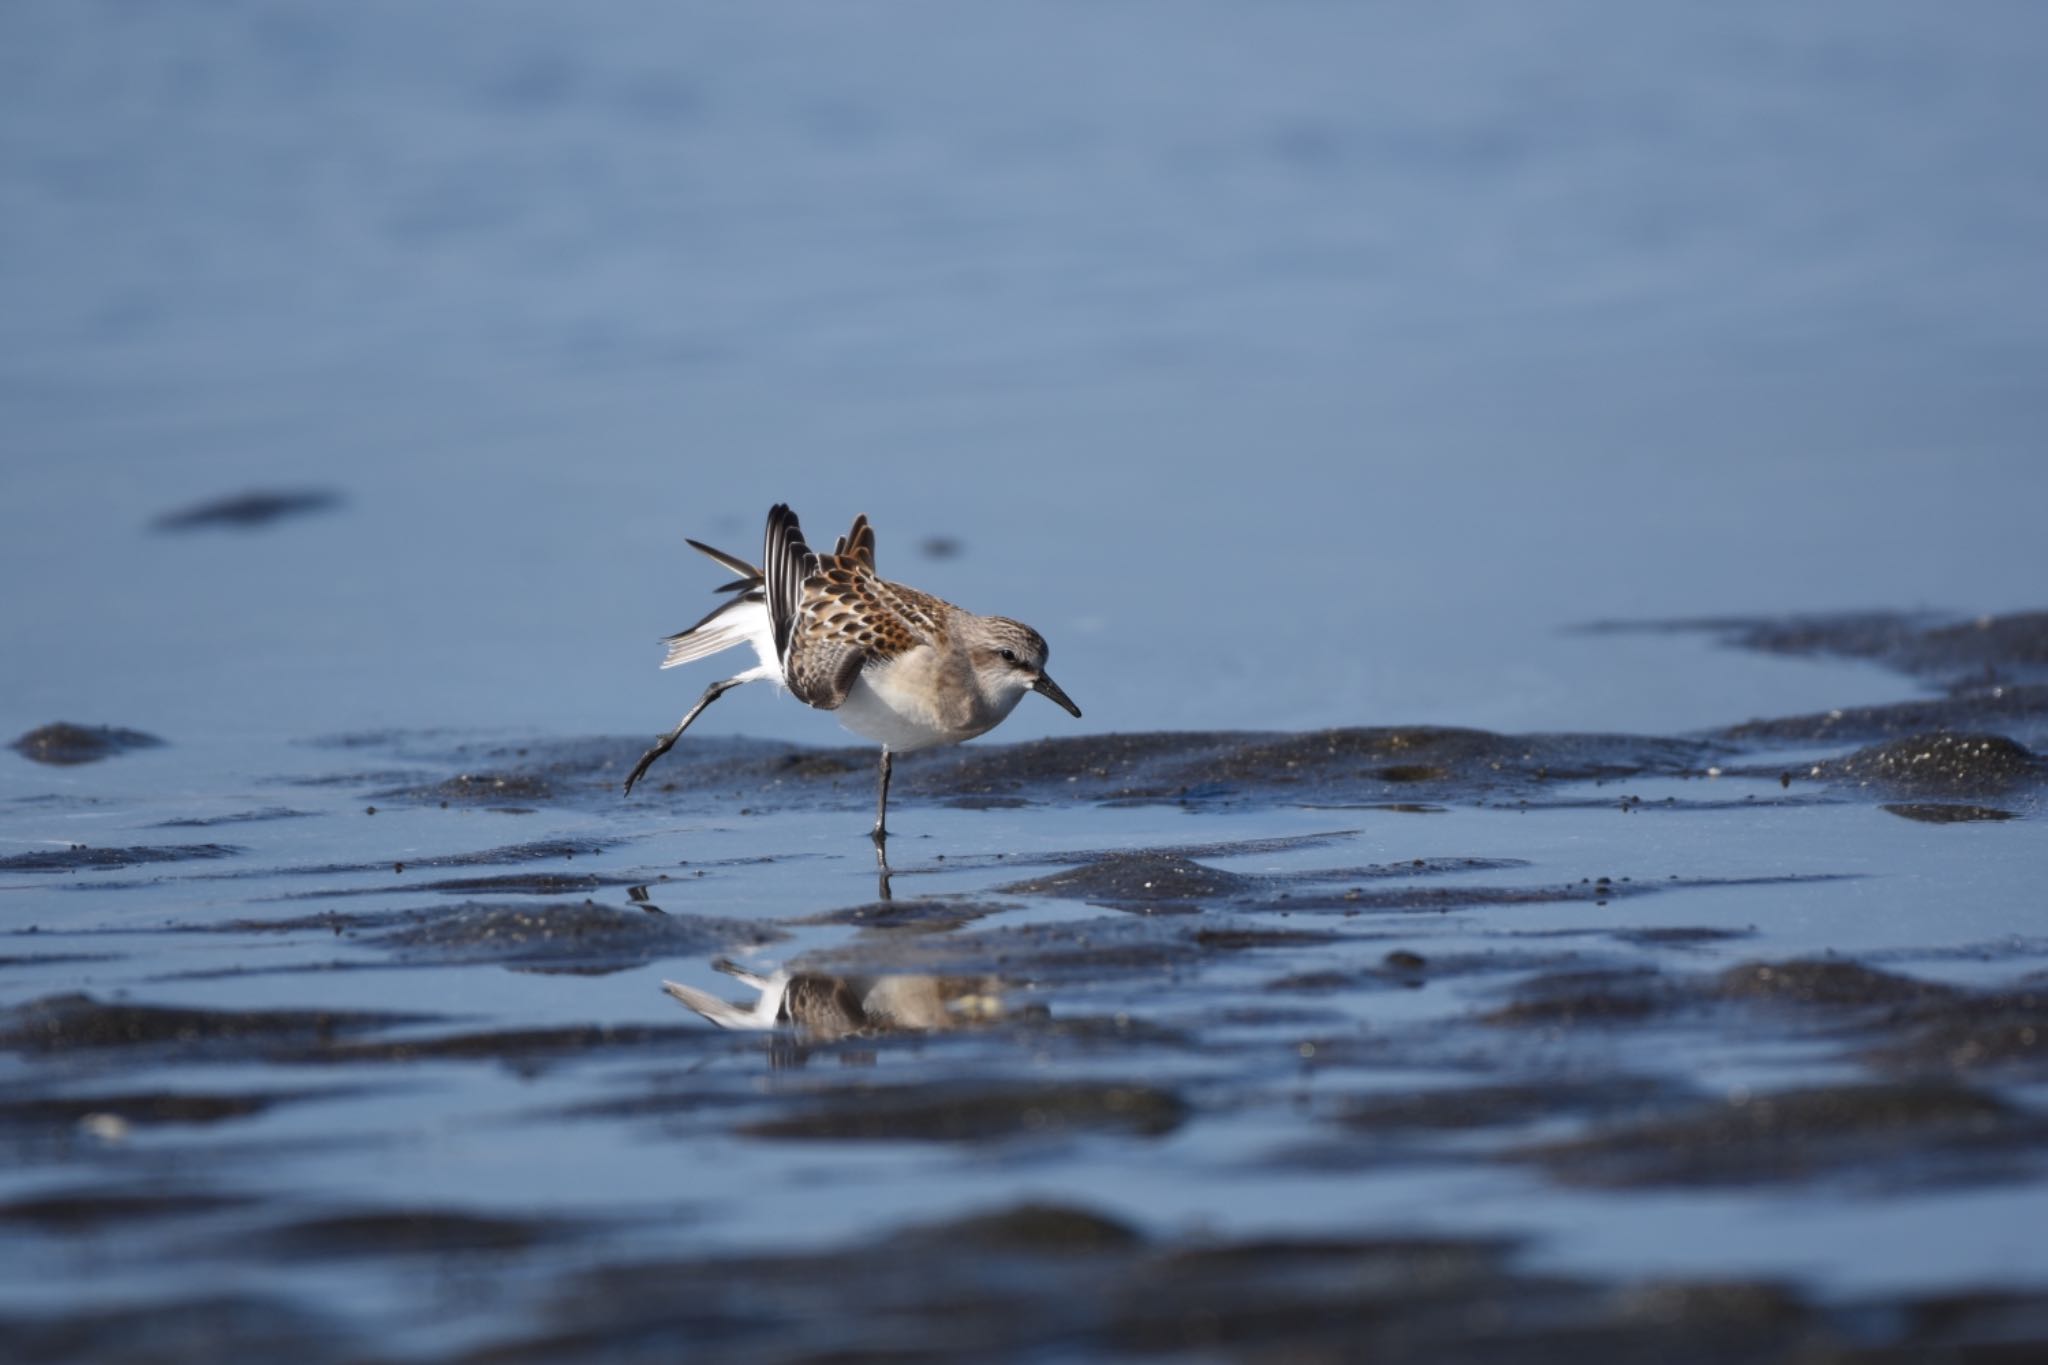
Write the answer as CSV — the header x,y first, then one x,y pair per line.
x,y
1046,687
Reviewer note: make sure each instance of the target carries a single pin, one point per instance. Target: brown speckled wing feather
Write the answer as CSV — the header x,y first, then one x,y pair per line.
x,y
859,543
847,618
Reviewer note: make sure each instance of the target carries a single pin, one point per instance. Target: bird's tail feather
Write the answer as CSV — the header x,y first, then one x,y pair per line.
x,y
743,620
725,1014
732,563
785,562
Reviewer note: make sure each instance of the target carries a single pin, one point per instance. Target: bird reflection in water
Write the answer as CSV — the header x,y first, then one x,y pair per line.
x,y
822,1008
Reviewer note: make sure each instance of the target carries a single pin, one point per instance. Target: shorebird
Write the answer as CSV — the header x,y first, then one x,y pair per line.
x,y
898,666
824,1007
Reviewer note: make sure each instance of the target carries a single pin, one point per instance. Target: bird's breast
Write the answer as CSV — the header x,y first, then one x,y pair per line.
x,y
917,700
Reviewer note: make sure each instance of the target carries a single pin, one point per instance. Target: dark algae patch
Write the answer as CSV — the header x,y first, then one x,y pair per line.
x,y
1946,812
407,1232
977,1113
80,858
1140,879
1901,1134
244,817
2019,709
1567,999
1954,653
65,745
146,1108
207,1326
1835,982
1041,1282
1027,1229
1939,765
513,1046
1501,1106
930,916
98,1207
1999,1032
566,936
67,1023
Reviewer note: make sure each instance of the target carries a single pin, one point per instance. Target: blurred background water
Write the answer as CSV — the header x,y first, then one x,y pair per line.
x,y
1286,365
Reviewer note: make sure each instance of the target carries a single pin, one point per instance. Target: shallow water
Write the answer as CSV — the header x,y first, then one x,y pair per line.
x,y
1288,369
431,1029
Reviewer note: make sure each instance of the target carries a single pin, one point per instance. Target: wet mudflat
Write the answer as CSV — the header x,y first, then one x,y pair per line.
x,y
1427,1043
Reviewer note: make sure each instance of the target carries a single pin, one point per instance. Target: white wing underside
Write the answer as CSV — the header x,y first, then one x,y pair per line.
x,y
725,1014
743,622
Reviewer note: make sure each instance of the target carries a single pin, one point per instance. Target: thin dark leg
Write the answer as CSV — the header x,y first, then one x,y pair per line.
x,y
668,741
881,830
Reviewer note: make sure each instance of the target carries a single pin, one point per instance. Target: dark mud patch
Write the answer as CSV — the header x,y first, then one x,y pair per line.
x,y
244,817
1825,981
1376,766
1964,1032
2019,709
934,916
206,1327
329,921
376,1234
1951,652
1938,765
533,851
1444,899
1079,950
1599,996
248,511
980,1112
1153,882
1899,1025
148,1109
67,1023
92,1208
503,790
1503,1106
1236,940
80,858
1057,1282
526,884
514,1047
1844,992
1147,880
34,961
1946,812
567,937
1678,936
1075,857
63,744
1029,1229
505,884
1404,968
1405,767
1897,1136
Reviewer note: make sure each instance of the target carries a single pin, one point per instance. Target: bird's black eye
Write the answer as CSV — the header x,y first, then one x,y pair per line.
x,y
1009,656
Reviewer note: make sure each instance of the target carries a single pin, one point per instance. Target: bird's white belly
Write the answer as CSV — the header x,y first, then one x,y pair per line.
x,y
894,718
897,708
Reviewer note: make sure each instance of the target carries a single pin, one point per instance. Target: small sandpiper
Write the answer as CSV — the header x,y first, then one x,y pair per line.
x,y
899,666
